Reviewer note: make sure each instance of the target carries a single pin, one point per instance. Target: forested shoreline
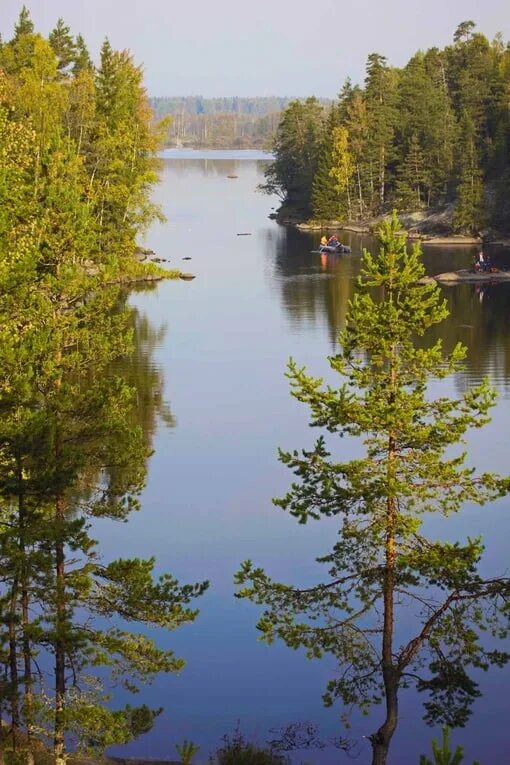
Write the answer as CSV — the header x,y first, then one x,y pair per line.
x,y
77,169
432,136
219,123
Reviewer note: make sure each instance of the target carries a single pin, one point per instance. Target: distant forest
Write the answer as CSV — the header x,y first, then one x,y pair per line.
x,y
221,122
434,134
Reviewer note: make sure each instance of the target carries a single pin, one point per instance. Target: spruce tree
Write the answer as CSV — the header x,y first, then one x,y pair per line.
x,y
63,45
381,103
383,569
82,60
412,179
24,25
325,201
469,215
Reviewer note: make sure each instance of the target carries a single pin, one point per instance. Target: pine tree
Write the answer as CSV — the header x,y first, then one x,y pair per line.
x,y
63,45
24,25
382,568
82,60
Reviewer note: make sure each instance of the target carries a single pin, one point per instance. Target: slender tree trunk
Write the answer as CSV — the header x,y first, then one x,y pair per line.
x,y
60,613
25,619
381,176
360,193
3,725
13,666
382,738
60,680
27,664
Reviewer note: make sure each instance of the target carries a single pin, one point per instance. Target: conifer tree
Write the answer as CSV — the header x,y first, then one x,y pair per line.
x,y
82,60
71,447
297,148
63,45
380,99
413,178
469,213
325,202
383,568
24,25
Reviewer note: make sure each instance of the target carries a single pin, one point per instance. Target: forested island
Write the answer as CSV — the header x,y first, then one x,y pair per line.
x,y
432,138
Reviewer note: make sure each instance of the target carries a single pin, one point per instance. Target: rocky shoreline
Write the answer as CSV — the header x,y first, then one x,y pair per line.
x,y
431,227
465,276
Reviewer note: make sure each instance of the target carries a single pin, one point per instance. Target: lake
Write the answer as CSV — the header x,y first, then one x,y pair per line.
x,y
214,350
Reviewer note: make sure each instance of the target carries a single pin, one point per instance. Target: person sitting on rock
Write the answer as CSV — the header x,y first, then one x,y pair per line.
x,y
483,262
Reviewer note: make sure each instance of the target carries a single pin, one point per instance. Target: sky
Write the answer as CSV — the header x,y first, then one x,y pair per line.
x,y
261,47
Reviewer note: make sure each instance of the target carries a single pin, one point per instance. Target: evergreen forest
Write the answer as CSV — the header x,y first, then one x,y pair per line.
x,y
433,136
77,169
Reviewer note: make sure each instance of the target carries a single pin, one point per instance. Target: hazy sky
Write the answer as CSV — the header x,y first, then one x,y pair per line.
x,y
261,47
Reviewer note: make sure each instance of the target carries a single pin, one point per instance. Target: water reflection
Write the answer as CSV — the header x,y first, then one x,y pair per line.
x,y
207,506
205,166
314,289
479,319
143,375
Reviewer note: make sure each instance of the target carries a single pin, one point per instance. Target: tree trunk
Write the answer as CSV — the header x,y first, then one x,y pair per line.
x,y
360,193
382,738
60,680
381,176
25,619
27,664
13,667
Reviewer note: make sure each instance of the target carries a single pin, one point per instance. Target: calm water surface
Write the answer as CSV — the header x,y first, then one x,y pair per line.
x,y
213,353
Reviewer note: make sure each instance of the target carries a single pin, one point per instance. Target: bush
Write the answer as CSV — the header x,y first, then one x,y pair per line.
x,y
236,750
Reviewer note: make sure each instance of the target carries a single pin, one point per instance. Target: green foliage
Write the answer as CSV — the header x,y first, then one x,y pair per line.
x,y
442,753
186,751
75,182
434,133
63,45
382,568
469,211
297,147
330,193
236,750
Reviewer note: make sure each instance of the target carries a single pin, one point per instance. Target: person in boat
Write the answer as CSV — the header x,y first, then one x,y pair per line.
x,y
324,240
333,241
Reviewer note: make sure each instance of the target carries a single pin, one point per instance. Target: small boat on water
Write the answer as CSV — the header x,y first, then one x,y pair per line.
x,y
333,249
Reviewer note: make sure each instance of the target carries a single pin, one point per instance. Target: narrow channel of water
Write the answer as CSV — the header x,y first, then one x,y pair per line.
x,y
215,350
